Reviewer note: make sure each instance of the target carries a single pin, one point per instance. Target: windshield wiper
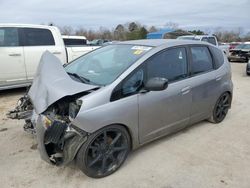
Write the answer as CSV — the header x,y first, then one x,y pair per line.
x,y
82,79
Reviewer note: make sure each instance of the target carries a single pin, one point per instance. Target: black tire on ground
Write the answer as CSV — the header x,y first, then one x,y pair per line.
x,y
104,151
221,108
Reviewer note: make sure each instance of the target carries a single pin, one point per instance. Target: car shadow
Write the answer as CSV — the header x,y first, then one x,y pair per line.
x,y
12,92
163,139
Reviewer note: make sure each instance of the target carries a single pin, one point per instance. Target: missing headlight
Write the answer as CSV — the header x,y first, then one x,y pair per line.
x,y
74,108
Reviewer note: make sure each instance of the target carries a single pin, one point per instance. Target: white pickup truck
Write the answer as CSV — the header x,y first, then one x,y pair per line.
x,y
22,45
206,38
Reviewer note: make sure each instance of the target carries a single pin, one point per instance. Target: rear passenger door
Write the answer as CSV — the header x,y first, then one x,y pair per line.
x,y
203,82
36,41
12,67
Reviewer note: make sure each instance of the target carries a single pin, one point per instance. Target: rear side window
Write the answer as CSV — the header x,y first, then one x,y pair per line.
x,y
201,60
74,42
170,64
37,37
9,37
218,56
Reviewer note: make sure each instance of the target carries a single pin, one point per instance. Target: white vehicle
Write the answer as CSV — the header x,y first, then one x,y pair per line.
x,y
21,47
76,46
206,38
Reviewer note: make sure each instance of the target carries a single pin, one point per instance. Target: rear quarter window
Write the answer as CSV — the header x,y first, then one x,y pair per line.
x,y
218,56
201,60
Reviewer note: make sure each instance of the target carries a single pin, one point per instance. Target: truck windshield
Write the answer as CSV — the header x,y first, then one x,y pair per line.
x,y
105,64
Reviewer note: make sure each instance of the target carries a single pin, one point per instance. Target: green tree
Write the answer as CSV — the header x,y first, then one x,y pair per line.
x,y
143,33
197,32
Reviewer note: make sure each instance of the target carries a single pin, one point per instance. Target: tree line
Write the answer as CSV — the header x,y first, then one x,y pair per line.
x,y
135,30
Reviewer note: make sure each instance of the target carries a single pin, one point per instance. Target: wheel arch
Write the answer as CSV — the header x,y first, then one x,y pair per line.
x,y
128,131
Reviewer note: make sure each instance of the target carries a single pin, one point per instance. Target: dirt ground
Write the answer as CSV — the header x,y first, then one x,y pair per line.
x,y
204,155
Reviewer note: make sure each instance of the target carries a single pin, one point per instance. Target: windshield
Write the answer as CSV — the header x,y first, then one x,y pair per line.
x,y
243,46
246,46
104,65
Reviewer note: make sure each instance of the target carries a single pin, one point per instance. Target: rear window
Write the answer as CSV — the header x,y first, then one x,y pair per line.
x,y
74,42
9,37
37,37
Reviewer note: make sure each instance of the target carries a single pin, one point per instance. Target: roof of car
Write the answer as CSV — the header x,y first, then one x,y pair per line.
x,y
24,25
160,42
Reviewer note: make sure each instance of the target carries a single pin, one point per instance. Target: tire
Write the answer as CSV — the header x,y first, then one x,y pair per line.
x,y
221,108
104,151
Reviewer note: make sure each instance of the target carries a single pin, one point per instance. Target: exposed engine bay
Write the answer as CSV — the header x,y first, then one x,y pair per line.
x,y
61,138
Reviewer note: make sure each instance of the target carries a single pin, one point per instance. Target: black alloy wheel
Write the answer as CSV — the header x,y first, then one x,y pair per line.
x,y
104,151
221,108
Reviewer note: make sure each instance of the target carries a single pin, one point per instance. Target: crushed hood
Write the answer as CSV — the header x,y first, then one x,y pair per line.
x,y
52,83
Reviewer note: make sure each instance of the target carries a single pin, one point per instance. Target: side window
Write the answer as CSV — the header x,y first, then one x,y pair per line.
x,y
201,60
170,64
37,37
130,86
212,40
9,37
133,84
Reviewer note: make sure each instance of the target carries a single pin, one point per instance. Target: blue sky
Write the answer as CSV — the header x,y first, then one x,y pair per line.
x,y
194,14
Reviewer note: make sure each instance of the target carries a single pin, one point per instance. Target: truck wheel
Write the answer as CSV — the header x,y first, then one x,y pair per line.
x,y
104,151
221,108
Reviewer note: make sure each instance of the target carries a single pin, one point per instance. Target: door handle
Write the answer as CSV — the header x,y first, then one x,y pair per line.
x,y
14,55
56,53
185,90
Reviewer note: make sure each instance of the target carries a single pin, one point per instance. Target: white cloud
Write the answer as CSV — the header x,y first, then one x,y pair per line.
x,y
108,13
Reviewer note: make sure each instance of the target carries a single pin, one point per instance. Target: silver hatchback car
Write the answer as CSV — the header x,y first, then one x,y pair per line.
x,y
119,97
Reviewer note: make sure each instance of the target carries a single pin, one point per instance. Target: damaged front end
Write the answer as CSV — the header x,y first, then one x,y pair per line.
x,y
48,109
58,139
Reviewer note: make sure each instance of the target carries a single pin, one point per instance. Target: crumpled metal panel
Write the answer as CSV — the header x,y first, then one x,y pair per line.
x,y
52,83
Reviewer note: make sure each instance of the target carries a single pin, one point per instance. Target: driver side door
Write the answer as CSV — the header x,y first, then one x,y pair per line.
x,y
164,112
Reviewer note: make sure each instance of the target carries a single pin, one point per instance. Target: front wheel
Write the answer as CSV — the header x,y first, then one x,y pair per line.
x,y
221,108
104,151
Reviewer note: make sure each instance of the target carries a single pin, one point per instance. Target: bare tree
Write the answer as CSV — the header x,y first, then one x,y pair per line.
x,y
152,29
171,25
67,30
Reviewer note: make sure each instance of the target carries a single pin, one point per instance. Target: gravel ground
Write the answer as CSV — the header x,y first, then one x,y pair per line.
x,y
204,155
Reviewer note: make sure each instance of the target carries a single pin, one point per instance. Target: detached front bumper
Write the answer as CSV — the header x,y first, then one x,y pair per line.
x,y
58,144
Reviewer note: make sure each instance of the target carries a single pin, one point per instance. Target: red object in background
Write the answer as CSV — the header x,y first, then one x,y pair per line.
x,y
233,45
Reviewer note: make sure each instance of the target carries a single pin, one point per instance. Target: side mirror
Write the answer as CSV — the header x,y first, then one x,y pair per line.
x,y
156,84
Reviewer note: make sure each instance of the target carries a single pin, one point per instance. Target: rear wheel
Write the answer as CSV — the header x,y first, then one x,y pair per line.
x,y
104,151
221,108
